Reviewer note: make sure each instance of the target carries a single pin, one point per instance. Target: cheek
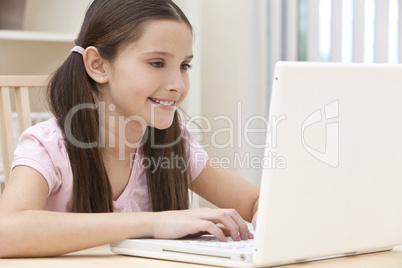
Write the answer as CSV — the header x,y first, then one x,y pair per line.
x,y
186,83
132,72
183,96
138,83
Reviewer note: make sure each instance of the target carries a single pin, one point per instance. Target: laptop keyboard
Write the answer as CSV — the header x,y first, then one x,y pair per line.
x,y
212,242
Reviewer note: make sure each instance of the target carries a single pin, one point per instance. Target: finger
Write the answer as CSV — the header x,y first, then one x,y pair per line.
x,y
224,229
225,217
198,234
230,219
227,232
213,229
241,224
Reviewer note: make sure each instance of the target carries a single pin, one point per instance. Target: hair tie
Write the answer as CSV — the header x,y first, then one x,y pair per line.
x,y
78,49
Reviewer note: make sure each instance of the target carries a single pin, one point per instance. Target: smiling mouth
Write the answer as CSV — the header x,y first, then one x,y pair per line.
x,y
164,103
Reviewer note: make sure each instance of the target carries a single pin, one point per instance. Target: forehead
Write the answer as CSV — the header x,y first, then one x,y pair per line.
x,y
167,36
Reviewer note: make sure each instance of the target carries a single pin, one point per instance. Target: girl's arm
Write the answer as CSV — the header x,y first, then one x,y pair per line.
x,y
225,189
27,230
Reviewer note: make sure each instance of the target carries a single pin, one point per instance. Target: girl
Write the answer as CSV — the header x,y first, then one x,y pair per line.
x,y
119,88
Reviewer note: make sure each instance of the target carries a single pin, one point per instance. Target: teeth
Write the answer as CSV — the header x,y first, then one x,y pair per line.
x,y
165,103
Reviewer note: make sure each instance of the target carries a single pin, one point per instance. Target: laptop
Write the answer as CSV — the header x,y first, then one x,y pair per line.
x,y
336,188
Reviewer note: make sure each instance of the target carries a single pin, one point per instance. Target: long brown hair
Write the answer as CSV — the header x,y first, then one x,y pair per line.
x,y
108,25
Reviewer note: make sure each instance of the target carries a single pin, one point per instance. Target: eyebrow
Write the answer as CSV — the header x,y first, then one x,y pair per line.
x,y
166,54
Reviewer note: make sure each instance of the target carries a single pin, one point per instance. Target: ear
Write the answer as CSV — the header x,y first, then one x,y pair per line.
x,y
95,65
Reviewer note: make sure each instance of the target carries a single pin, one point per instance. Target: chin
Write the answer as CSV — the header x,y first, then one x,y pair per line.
x,y
163,125
161,128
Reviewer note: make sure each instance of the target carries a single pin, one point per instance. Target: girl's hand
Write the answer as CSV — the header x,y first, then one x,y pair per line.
x,y
177,224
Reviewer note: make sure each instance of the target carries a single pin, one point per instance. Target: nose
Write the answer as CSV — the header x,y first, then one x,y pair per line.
x,y
177,81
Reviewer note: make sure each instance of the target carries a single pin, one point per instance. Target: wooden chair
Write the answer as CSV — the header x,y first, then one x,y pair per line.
x,y
21,85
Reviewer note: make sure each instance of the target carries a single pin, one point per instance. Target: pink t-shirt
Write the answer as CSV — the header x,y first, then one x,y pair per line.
x,y
42,148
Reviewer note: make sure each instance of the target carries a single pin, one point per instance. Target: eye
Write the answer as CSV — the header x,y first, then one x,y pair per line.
x,y
186,66
157,64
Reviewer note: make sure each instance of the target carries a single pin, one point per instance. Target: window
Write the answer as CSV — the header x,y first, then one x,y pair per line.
x,y
350,30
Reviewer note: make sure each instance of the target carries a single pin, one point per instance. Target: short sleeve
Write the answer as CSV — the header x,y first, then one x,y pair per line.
x,y
42,148
196,156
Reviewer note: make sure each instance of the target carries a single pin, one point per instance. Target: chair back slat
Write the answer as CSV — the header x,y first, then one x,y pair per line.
x,y
21,86
23,108
6,131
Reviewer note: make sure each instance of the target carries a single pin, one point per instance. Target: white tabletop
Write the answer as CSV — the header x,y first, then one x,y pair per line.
x,y
103,257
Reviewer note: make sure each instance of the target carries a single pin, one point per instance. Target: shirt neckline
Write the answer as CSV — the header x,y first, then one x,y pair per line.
x,y
128,191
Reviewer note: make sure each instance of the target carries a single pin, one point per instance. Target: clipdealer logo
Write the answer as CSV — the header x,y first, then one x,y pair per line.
x,y
331,154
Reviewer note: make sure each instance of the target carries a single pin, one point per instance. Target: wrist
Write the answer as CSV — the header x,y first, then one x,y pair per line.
x,y
142,224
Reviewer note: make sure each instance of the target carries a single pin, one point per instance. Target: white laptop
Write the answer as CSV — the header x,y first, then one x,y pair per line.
x,y
338,189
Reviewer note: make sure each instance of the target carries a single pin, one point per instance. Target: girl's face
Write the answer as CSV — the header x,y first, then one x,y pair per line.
x,y
149,78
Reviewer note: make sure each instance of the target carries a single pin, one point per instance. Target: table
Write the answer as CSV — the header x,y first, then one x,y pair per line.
x,y
103,257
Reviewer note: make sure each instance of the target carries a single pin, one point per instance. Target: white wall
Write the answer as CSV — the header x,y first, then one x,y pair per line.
x,y
56,15
233,73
